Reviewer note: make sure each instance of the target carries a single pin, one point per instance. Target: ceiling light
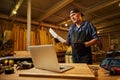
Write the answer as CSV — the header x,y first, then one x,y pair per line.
x,y
66,24
14,12
98,32
119,4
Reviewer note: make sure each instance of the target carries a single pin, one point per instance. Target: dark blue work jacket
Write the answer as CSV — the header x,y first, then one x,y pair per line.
x,y
84,33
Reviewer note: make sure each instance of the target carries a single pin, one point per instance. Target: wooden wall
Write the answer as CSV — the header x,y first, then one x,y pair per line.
x,y
109,41
40,35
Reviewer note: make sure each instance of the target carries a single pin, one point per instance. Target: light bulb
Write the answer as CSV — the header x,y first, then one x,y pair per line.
x,y
66,24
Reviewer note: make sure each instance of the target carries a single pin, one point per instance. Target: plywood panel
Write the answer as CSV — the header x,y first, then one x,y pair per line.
x,y
80,71
43,37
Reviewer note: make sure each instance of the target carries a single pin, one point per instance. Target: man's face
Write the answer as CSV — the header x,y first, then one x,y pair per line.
x,y
75,17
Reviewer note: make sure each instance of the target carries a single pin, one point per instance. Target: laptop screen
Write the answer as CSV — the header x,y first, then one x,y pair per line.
x,y
44,57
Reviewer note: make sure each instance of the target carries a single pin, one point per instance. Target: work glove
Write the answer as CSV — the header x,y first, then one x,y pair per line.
x,y
79,45
56,40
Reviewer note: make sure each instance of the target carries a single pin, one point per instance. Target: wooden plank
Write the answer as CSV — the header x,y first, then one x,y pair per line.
x,y
80,71
43,37
21,39
24,39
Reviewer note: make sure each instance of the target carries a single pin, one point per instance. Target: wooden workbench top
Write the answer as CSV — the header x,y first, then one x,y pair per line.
x,y
76,73
80,71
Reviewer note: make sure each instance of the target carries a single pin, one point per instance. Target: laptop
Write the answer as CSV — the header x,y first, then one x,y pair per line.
x,y
45,57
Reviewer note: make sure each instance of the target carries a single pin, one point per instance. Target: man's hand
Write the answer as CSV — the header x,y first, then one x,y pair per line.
x,y
79,45
56,40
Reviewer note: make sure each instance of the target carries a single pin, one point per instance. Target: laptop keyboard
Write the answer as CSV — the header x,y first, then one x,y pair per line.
x,y
61,67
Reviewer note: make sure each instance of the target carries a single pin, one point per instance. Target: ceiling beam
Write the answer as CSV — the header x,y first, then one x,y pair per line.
x,y
110,29
93,8
100,6
79,6
105,17
53,26
17,6
107,24
65,21
108,32
54,8
23,20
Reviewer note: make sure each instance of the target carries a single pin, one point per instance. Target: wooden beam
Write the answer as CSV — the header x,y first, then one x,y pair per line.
x,y
109,29
92,9
54,9
105,17
63,22
2,16
79,6
107,24
53,26
97,7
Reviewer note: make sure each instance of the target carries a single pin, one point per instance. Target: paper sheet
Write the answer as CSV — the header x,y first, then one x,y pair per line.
x,y
56,36
53,33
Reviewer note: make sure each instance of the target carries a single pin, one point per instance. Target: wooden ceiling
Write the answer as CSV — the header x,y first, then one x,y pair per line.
x,y
105,14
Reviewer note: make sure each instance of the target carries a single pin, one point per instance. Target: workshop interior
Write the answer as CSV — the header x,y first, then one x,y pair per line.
x,y
26,23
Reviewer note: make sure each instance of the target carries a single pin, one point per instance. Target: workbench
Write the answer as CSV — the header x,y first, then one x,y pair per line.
x,y
79,72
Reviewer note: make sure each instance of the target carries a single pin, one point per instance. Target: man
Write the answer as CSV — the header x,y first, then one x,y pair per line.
x,y
81,36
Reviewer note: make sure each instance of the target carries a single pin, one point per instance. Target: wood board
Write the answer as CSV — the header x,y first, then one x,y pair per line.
x,y
80,71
